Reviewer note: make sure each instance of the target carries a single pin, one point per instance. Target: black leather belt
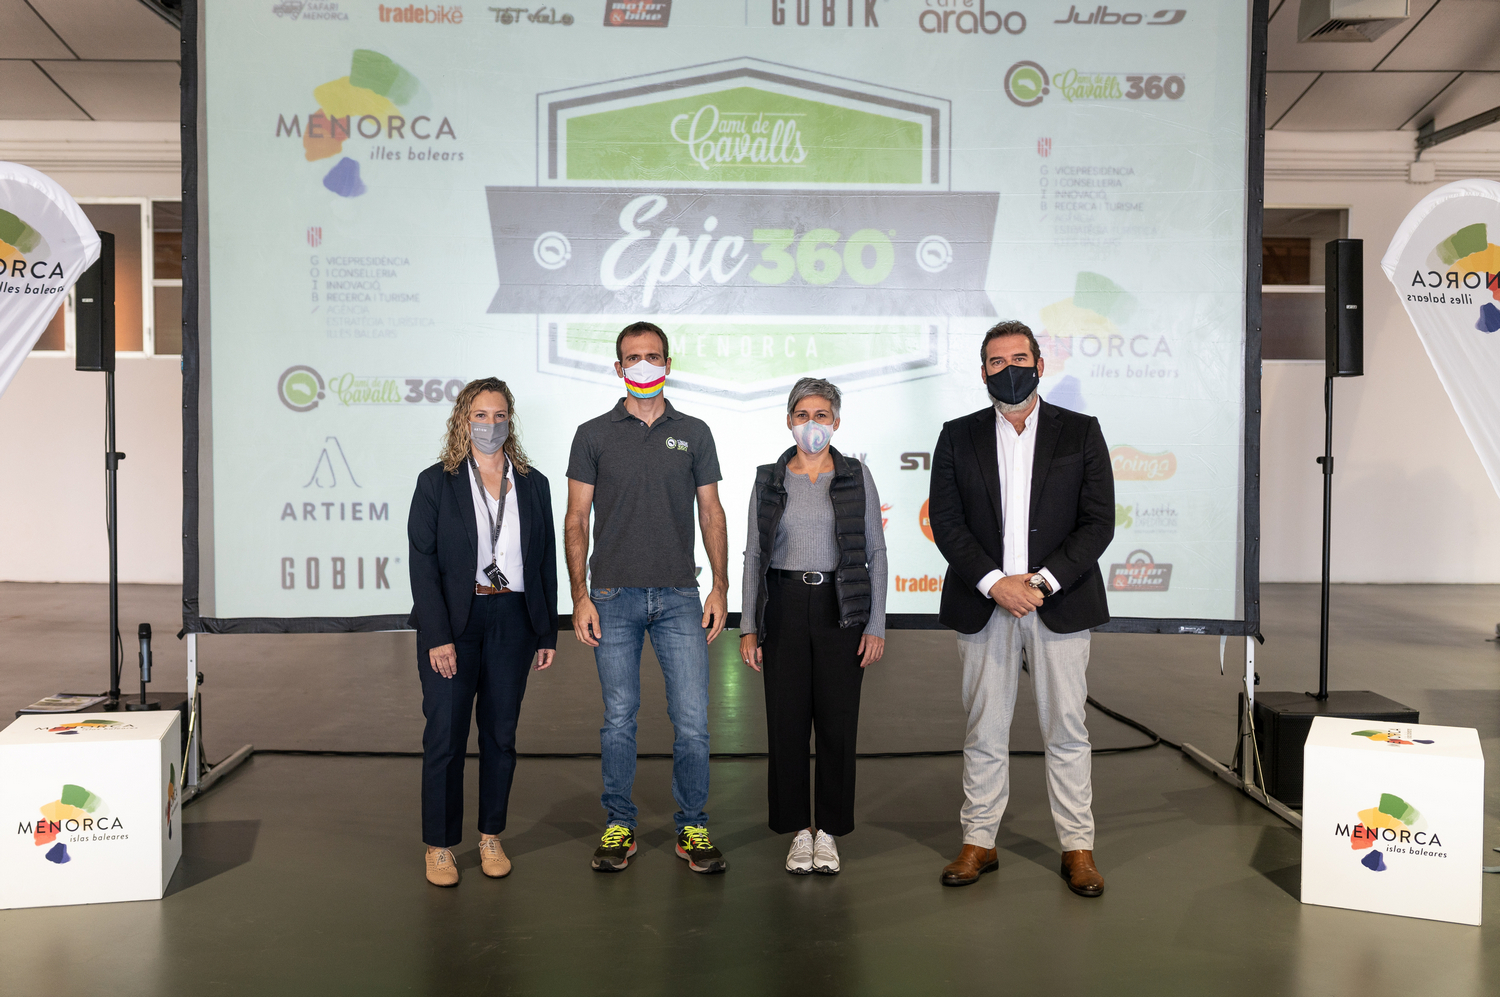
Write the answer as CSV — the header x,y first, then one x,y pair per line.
x,y
805,577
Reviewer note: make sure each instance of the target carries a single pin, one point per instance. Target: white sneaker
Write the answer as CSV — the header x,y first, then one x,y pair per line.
x,y
799,861
825,855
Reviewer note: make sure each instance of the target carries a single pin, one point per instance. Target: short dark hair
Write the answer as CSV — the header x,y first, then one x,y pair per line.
x,y
635,329
1010,327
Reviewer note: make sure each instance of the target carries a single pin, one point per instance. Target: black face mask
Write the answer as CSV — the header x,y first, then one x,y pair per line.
x,y
1012,384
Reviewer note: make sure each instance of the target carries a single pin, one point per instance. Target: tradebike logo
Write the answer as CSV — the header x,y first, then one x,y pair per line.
x,y
77,816
917,583
1464,265
1102,16
1131,464
420,14
1395,825
1139,573
1026,83
963,17
301,388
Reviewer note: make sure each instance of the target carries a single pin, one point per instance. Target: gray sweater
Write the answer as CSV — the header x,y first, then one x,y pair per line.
x,y
805,541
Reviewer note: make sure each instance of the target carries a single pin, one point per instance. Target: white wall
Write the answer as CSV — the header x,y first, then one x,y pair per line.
x,y
1411,502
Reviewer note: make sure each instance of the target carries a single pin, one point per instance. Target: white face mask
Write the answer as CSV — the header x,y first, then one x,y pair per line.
x,y
811,436
645,380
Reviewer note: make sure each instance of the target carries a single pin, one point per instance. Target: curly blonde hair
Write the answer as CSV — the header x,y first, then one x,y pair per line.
x,y
456,441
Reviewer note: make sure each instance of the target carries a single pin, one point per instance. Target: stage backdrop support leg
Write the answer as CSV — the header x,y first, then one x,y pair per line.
x,y
190,764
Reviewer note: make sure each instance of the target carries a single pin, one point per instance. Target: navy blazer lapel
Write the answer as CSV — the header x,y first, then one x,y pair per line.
x,y
463,493
1048,431
986,453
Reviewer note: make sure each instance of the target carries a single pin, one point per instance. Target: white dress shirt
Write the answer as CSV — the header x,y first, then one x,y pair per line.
x,y
1016,452
507,551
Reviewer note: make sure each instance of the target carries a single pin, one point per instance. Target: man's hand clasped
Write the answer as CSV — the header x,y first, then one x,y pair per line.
x,y
1015,594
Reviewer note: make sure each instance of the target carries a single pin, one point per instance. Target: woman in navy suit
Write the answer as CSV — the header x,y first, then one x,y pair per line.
x,y
484,591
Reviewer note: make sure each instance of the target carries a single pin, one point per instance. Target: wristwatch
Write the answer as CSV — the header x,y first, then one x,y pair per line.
x,y
1040,584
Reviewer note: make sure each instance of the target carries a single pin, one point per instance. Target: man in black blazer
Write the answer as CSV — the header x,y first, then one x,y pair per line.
x,y
1022,507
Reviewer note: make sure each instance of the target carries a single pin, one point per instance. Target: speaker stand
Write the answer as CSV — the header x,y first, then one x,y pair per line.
x,y
112,460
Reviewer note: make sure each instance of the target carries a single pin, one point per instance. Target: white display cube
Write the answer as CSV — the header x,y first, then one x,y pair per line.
x,y
94,802
1393,819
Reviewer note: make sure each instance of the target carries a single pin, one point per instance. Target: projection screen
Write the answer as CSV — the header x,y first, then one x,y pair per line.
x,y
392,200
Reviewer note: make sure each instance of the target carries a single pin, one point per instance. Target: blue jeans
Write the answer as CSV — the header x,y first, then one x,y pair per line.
x,y
674,619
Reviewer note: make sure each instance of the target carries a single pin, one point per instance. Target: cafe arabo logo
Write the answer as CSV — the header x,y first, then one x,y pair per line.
x,y
1139,573
23,259
301,388
75,818
651,201
378,103
1027,84
1397,827
1465,269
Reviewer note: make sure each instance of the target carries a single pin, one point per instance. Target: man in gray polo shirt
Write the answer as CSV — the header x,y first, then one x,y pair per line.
x,y
640,467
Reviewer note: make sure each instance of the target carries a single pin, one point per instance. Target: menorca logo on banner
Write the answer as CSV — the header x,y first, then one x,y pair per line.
x,y
46,243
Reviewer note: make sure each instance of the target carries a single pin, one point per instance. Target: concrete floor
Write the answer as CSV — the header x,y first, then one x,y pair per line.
x,y
303,874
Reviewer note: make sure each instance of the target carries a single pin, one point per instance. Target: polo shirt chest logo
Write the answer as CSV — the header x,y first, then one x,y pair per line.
x,y
673,443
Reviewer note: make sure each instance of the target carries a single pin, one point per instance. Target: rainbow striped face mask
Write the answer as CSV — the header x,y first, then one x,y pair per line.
x,y
645,380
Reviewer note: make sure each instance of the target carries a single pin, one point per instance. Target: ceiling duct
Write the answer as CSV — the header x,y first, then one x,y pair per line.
x,y
1349,20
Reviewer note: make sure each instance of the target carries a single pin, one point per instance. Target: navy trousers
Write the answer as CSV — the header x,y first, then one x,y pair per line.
x,y
494,660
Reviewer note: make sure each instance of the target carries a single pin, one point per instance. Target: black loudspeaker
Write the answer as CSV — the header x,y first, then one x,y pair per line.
x,y
94,342
1344,308
1282,722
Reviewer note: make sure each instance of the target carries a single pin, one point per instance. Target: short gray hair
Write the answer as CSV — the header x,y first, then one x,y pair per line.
x,y
814,387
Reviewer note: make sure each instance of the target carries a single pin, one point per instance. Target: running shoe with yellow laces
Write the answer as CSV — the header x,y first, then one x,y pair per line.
x,y
615,849
700,853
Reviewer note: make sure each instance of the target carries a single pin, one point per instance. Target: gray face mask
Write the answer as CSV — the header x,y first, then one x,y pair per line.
x,y
489,437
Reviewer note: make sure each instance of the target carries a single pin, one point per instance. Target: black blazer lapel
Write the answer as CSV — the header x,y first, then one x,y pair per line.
x,y
982,436
463,494
525,496
1048,431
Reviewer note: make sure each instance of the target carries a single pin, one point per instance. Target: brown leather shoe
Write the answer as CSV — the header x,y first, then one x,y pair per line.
x,y
441,869
492,859
971,863
1078,869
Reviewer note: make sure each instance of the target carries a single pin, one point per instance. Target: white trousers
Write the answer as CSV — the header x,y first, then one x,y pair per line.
x,y
992,668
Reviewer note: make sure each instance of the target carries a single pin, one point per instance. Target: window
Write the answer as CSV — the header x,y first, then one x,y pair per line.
x,y
148,278
1292,279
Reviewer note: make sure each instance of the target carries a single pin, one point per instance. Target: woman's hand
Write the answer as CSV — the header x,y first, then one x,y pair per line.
x,y
871,649
750,651
544,657
444,660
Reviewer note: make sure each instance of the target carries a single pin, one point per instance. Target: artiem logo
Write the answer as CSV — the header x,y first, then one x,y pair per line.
x,y
1140,573
1473,264
1131,464
1104,17
1398,825
301,388
76,812
372,102
1026,83
88,725
637,13
1391,736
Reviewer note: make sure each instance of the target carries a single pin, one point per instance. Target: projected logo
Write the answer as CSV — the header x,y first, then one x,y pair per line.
x,y
1157,517
1102,16
377,100
1093,329
1131,464
526,15
301,388
1395,825
1472,273
1027,83
637,13
1140,573
970,20
78,814
1391,736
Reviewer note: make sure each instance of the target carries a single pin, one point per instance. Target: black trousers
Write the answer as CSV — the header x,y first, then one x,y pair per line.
x,y
494,660
812,679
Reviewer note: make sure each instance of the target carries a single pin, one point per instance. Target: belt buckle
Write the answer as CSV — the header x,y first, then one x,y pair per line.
x,y
806,573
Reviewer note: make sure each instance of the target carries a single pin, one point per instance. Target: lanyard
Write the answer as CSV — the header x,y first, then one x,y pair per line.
x,y
496,576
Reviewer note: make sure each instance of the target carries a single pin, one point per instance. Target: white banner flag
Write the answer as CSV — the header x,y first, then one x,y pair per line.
x,y
46,243
1445,264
